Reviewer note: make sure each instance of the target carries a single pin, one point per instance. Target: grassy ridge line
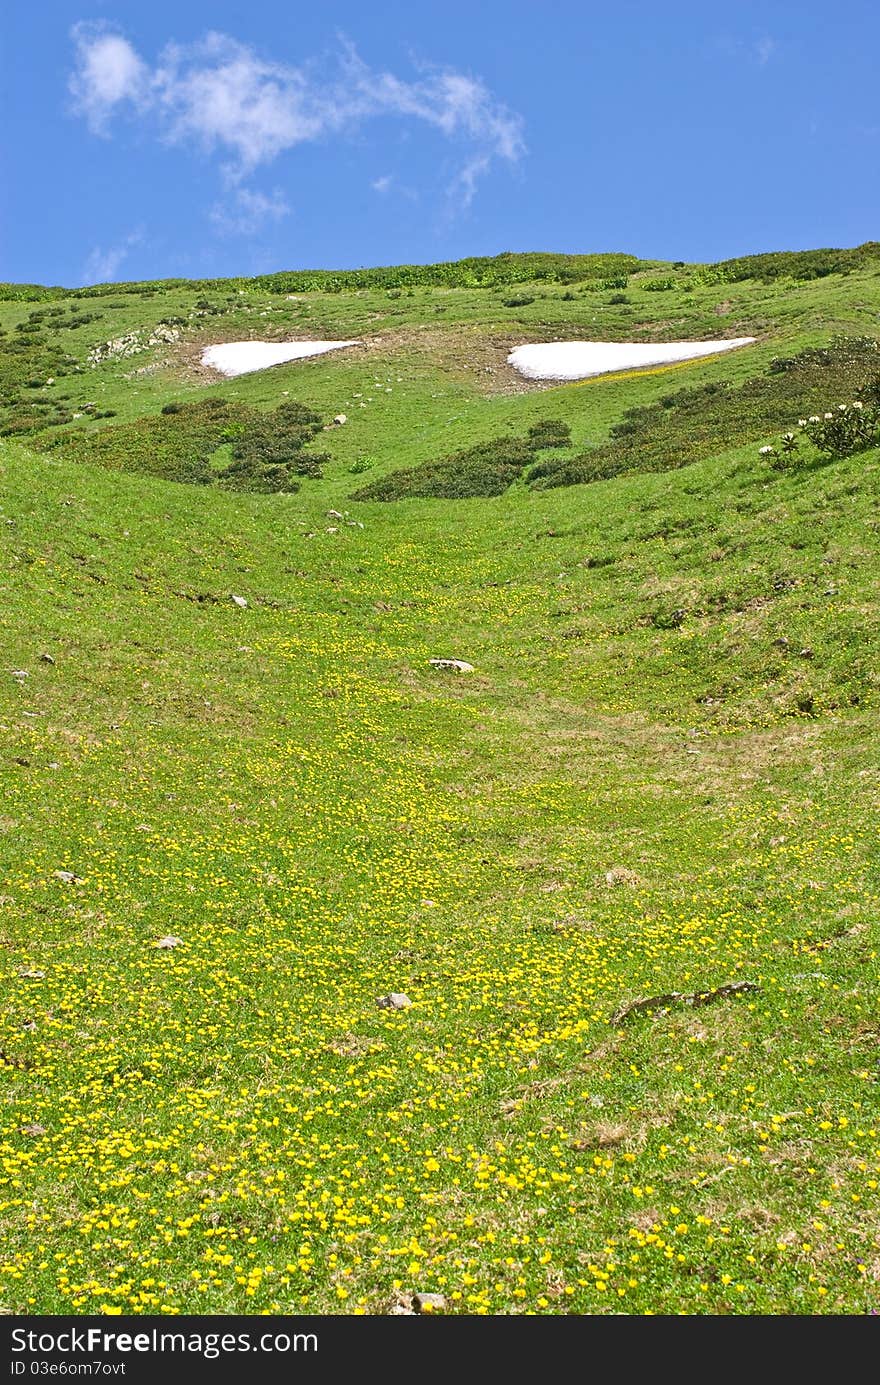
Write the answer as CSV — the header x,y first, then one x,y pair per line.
x,y
484,272
476,272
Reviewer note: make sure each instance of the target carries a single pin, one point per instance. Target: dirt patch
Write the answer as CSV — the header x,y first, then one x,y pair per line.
x,y
462,352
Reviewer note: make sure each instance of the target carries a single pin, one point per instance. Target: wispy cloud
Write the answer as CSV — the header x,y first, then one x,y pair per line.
x,y
103,263
108,73
756,51
382,184
221,95
764,49
244,213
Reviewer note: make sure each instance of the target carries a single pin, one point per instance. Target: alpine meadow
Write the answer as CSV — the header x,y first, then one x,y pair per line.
x,y
439,826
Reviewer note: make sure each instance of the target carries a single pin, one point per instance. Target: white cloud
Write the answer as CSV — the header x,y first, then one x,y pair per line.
x,y
102,264
382,184
764,50
244,213
108,72
221,95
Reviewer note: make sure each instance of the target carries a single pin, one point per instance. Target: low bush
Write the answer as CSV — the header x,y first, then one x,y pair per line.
x,y
690,424
801,265
268,453
485,470
549,432
180,443
841,431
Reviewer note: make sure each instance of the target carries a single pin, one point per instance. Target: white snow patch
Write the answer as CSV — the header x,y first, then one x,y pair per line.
x,y
577,360
241,357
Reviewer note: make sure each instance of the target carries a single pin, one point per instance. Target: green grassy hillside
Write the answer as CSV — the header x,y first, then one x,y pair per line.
x,y
222,729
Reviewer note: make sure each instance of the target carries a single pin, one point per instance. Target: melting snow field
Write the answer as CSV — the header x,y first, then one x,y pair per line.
x,y
577,360
241,357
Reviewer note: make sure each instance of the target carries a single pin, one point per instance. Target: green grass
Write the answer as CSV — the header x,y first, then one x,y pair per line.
x,y
661,777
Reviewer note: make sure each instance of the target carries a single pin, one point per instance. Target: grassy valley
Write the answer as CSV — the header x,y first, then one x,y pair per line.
x,y
241,806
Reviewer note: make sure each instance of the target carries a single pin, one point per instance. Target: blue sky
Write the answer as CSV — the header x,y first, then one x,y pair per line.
x,y
222,138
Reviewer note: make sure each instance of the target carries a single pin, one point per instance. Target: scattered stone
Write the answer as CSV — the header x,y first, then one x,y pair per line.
x,y
34,1130
781,643
29,1025
395,1001
455,665
334,514
340,419
690,998
429,1303
67,877
169,942
806,653
400,1310
20,674
31,973
46,659
239,601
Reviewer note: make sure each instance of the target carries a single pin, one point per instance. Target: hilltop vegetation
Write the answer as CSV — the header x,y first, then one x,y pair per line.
x,y
241,805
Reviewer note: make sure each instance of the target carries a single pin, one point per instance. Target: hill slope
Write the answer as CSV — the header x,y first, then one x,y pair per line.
x,y
660,781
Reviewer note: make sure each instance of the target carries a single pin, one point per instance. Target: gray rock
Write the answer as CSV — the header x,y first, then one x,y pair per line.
x,y
67,877
34,1130
395,1001
46,659
340,419
453,665
169,942
429,1303
239,601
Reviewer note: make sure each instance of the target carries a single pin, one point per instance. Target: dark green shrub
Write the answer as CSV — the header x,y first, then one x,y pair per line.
x,y
485,470
518,300
268,453
691,424
549,432
180,443
790,264
481,471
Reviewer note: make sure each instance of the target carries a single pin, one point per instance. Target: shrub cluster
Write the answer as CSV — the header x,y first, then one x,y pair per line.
x,y
485,470
183,443
800,265
268,452
690,424
841,431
